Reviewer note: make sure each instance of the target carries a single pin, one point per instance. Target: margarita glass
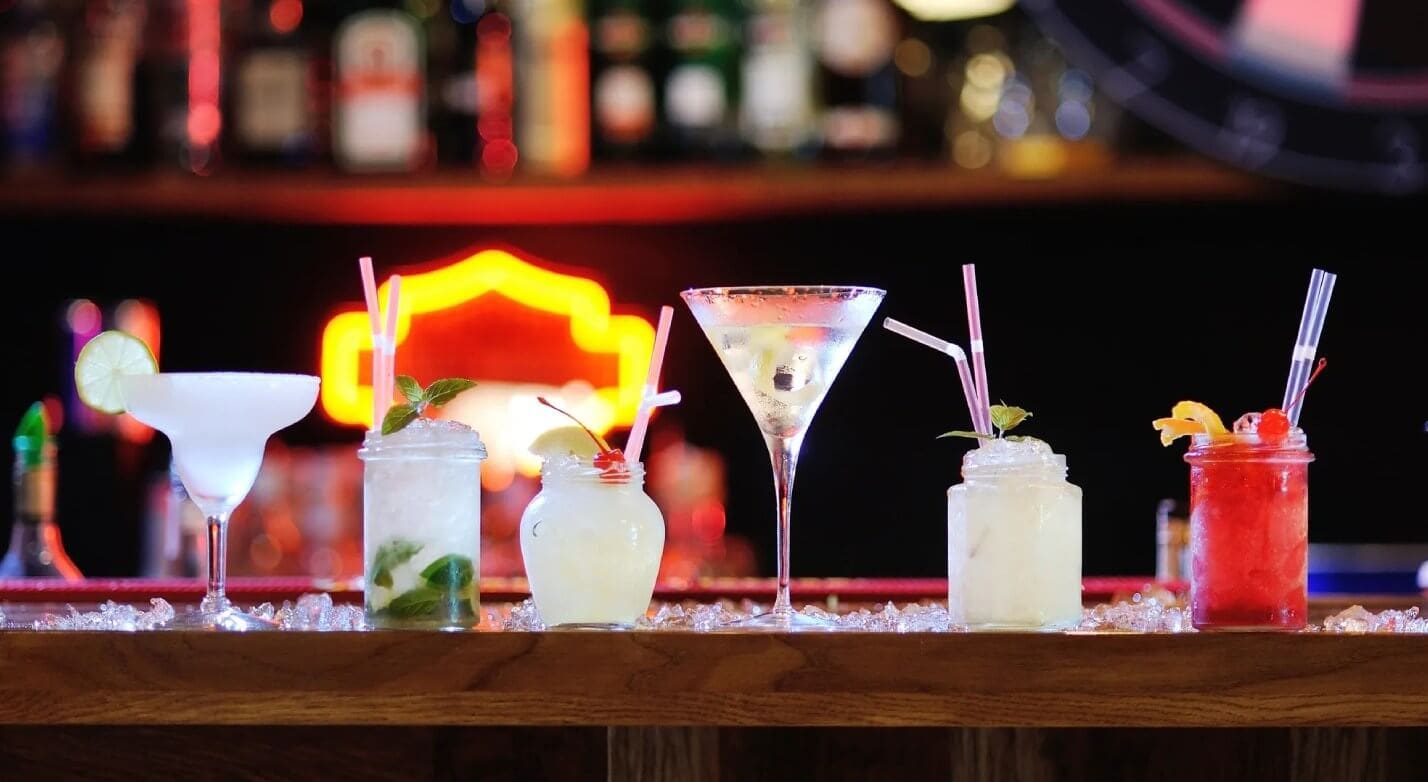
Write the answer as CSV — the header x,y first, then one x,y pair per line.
x,y
218,424
783,347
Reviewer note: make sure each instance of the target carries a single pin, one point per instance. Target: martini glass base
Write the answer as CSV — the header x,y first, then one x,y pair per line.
x,y
228,619
786,621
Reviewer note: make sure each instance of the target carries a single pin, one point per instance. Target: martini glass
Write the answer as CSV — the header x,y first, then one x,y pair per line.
x,y
783,347
218,424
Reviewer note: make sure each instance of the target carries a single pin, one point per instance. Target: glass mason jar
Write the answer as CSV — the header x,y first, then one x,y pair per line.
x,y
1249,532
592,545
421,526
1014,540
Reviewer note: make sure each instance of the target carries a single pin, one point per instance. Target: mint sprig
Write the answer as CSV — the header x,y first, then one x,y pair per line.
x,y
1004,419
420,399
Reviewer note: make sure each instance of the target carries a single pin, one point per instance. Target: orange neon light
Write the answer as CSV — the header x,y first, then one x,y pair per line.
x,y
593,328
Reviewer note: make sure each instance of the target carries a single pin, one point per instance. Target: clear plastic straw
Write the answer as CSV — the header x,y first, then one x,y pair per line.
x,y
978,347
1306,345
969,390
636,442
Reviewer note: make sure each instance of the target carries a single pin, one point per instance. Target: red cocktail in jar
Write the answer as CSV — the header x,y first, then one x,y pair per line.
x,y
1249,531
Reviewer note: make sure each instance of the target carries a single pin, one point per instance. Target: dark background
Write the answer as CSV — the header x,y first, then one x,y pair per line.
x,y
1098,317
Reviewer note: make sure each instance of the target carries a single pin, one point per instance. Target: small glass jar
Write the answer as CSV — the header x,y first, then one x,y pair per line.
x,y
1014,540
592,542
1249,532
421,526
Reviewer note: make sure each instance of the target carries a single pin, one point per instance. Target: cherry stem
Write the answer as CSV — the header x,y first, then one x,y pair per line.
x,y
1323,362
600,441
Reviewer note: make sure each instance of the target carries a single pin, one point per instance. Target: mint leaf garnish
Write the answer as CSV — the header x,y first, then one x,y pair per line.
x,y
410,388
415,602
443,391
968,435
419,399
389,555
452,572
397,418
1007,417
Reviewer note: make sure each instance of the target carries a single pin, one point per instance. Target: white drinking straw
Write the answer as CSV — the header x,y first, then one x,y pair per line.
x,y
943,346
389,341
1306,345
978,347
374,316
636,442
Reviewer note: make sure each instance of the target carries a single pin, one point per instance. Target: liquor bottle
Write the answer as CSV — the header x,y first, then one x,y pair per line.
x,y
623,99
271,100
35,547
31,56
701,89
451,67
552,76
776,104
857,80
108,110
379,85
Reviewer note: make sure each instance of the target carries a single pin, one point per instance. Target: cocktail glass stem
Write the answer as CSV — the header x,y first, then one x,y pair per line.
x,y
783,452
216,600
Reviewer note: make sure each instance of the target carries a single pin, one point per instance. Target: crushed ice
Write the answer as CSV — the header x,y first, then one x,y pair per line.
x,y
1357,620
111,616
1156,613
1153,612
314,612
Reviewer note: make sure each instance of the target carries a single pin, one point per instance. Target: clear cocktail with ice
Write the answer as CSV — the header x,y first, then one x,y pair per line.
x,y
422,525
1014,539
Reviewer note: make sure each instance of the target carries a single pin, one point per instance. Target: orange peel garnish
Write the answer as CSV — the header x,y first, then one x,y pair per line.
x,y
1189,418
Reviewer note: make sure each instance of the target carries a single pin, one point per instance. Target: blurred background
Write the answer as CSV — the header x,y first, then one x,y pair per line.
x,y
1144,187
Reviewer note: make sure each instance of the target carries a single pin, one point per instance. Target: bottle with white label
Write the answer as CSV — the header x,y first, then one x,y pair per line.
x,y
776,101
379,92
857,79
701,88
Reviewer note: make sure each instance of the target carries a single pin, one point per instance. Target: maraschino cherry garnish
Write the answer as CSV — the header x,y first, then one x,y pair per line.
x,y
1274,423
609,461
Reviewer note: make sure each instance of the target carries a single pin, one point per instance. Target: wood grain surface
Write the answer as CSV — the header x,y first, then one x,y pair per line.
x,y
600,679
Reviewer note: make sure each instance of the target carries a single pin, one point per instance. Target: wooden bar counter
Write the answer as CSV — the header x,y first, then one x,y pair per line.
x,y
685,705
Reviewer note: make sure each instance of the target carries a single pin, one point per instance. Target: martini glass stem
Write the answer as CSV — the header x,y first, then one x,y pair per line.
x,y
783,451
216,600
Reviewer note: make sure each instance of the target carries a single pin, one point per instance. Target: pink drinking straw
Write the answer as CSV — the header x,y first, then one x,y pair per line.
x,y
943,346
374,315
389,342
636,442
979,351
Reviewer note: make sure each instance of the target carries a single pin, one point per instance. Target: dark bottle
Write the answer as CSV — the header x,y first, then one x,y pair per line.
x,y
32,53
107,87
776,112
701,88
623,100
271,104
857,79
35,548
